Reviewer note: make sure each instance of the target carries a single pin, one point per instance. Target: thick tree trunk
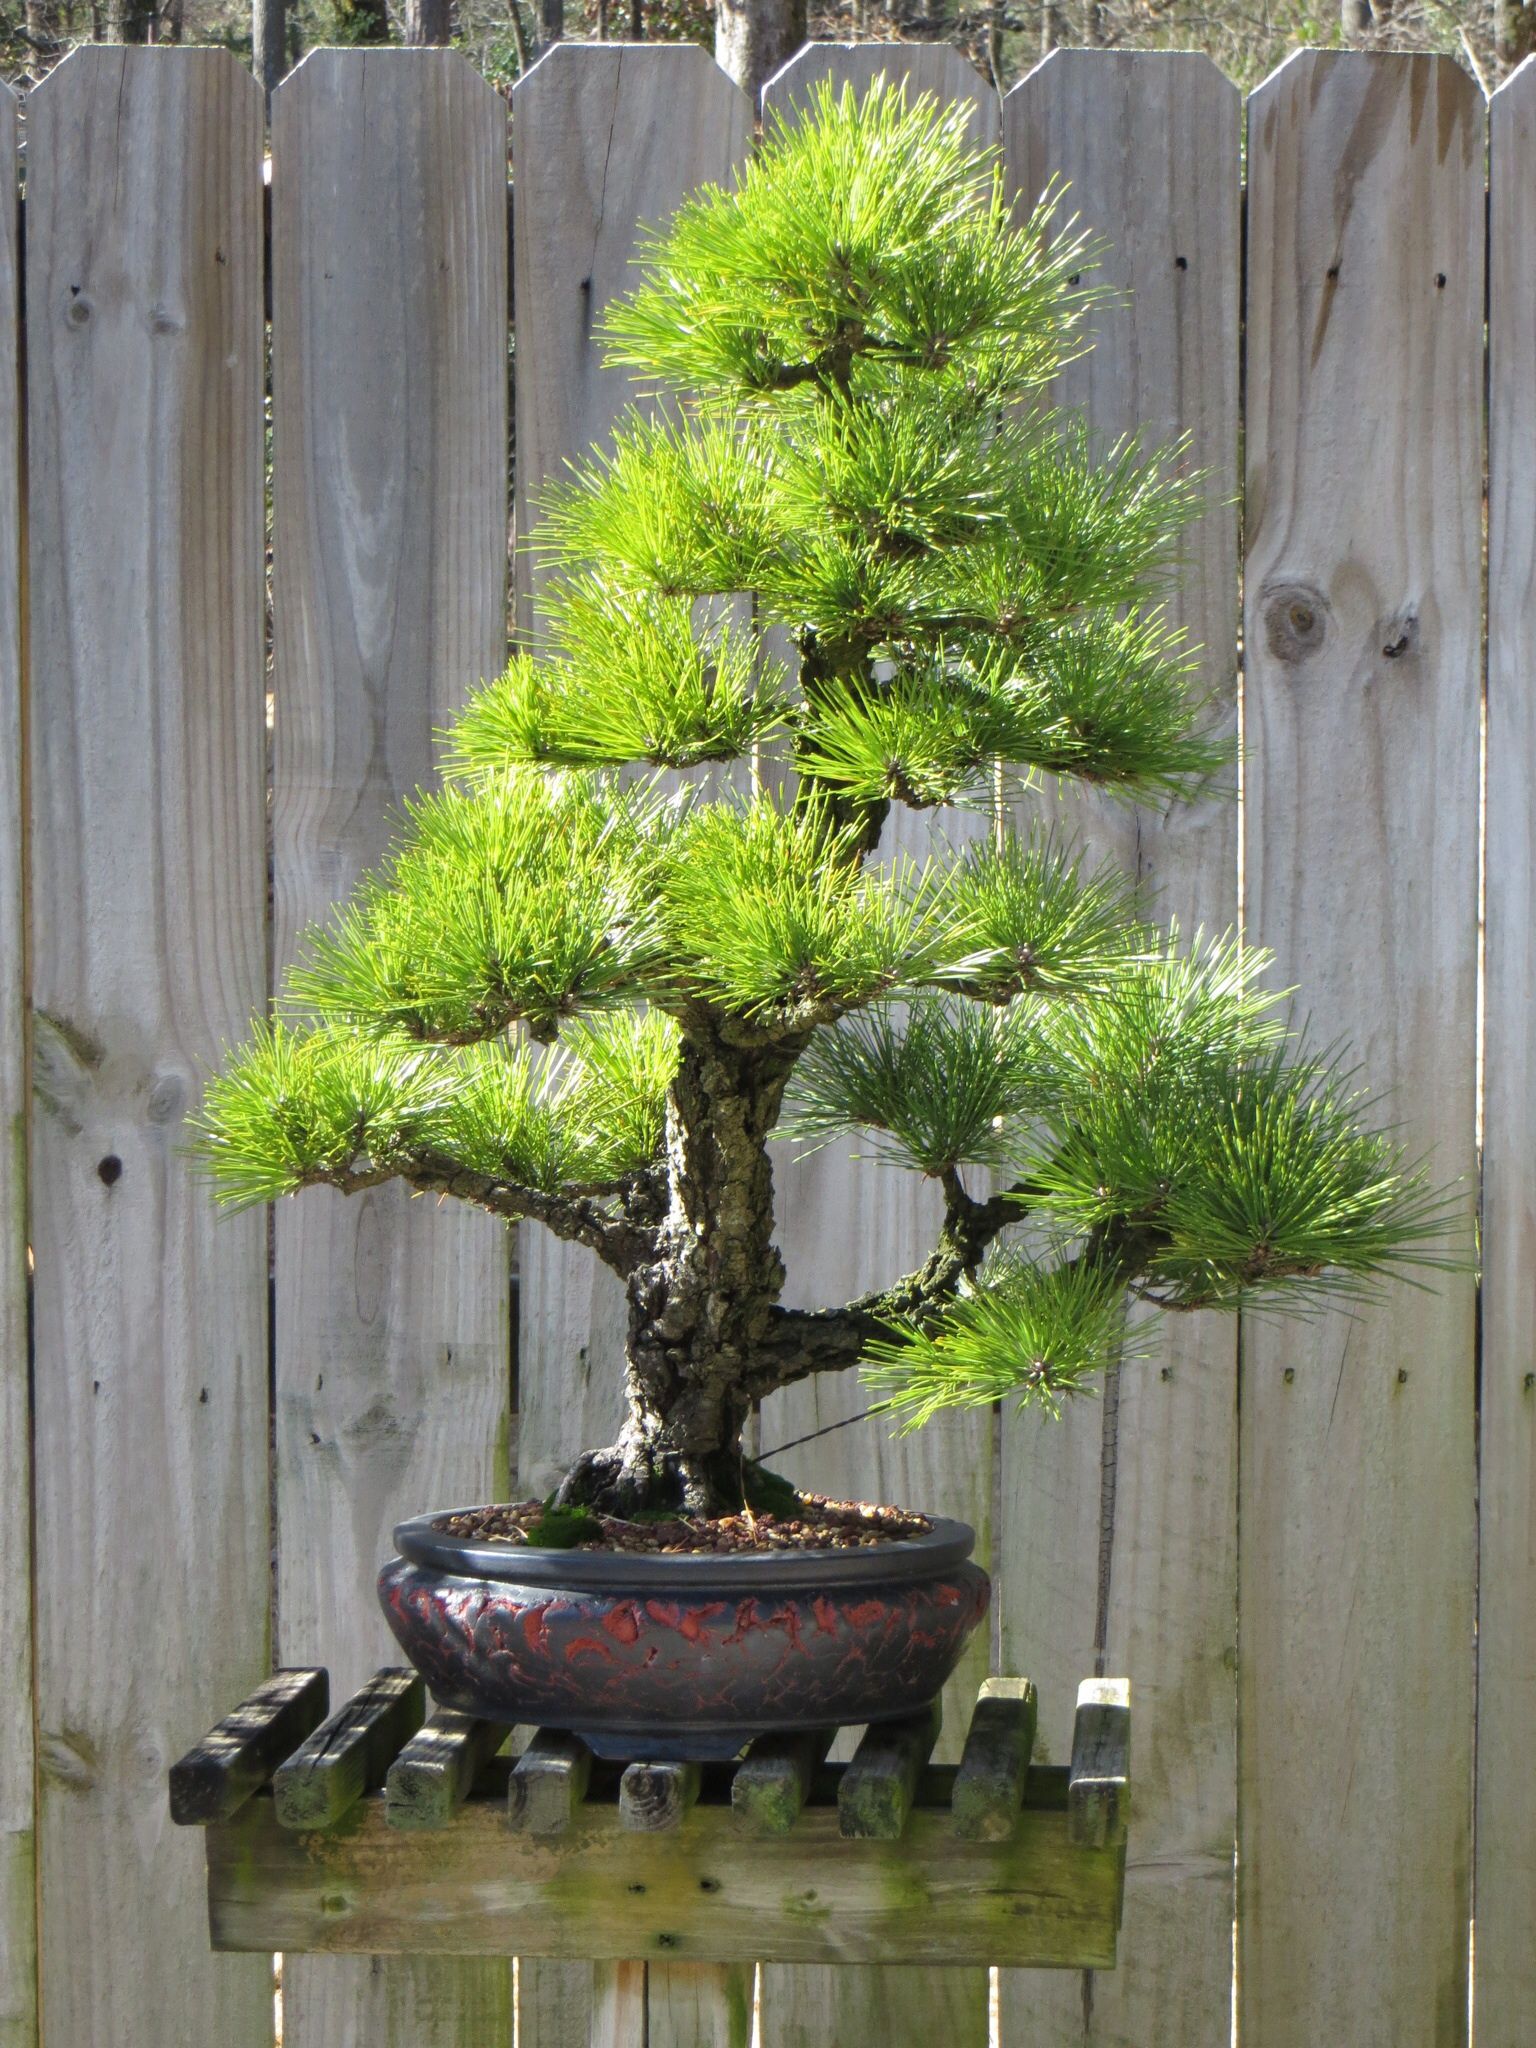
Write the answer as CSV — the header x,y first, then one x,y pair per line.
x,y
700,1312
269,34
428,23
756,38
130,21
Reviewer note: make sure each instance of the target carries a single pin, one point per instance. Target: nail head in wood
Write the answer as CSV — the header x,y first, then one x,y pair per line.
x,y
238,1755
432,1776
988,1794
878,1787
548,1783
773,1782
1098,1790
350,1753
653,1797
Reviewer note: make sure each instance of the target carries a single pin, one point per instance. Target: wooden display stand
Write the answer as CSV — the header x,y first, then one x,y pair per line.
x,y
374,1831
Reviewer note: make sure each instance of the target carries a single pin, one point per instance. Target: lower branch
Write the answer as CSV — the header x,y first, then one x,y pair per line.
x,y
623,1238
800,1342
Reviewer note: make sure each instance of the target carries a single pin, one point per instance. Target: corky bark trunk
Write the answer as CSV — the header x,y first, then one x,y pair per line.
x,y
700,1312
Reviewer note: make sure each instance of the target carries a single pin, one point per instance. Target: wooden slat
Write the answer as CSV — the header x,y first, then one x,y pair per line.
x,y
18,1930
1364,455
605,139
435,1772
240,1752
389,550
350,1753
1122,1517
654,1797
878,1787
1505,1959
144,381
989,1787
773,1781
688,1895
846,1225
548,1783
1098,1795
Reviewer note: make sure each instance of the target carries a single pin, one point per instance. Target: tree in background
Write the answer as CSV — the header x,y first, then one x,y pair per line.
x,y
756,38
1003,38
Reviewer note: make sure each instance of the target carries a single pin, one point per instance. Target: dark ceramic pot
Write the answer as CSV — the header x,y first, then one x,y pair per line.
x,y
682,1657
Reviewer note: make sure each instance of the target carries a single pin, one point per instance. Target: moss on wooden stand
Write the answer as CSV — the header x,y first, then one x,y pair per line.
x,y
573,1876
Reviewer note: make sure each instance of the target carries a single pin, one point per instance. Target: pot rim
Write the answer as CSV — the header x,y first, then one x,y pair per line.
x,y
896,1562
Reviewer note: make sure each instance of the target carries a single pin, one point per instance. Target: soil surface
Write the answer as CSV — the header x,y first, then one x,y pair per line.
x,y
816,1524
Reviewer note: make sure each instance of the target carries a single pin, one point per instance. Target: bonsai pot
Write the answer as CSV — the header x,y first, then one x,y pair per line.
x,y
688,1656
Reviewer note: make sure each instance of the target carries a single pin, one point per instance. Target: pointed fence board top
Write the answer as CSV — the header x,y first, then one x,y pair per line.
x,y
148,954
1364,454
389,495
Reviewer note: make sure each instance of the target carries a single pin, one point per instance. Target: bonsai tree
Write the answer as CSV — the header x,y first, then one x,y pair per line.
x,y
855,551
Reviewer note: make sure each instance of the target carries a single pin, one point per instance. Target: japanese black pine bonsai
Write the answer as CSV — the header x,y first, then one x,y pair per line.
x,y
863,560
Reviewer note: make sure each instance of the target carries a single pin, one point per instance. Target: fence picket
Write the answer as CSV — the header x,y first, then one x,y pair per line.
x,y
1121,1519
1505,1963
18,1926
144,289
389,577
1364,458
606,139
847,1225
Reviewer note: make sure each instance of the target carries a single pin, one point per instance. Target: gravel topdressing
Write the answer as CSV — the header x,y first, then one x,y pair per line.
x,y
819,1525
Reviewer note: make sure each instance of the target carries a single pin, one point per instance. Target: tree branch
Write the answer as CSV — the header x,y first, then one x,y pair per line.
x,y
800,1342
623,1240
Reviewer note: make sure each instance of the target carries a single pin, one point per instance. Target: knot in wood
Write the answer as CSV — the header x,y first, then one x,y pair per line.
x,y
1296,620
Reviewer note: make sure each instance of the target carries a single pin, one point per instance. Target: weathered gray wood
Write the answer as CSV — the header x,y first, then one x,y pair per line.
x,y
18,1869
549,1782
1099,1794
1122,1517
989,1787
435,1772
389,363
654,1797
237,1756
605,139
878,1787
1364,452
773,1781
617,2002
350,1753
689,1894
144,390
1505,1881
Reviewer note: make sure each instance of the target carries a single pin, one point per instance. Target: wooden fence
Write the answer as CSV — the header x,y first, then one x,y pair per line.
x,y
1310,1545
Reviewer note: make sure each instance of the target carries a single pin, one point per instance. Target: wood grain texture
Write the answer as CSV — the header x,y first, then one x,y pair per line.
x,y
144,289
18,1926
389,575
606,139
845,1225
1505,1962
1364,455
705,1892
1119,1527
351,1752
238,1755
